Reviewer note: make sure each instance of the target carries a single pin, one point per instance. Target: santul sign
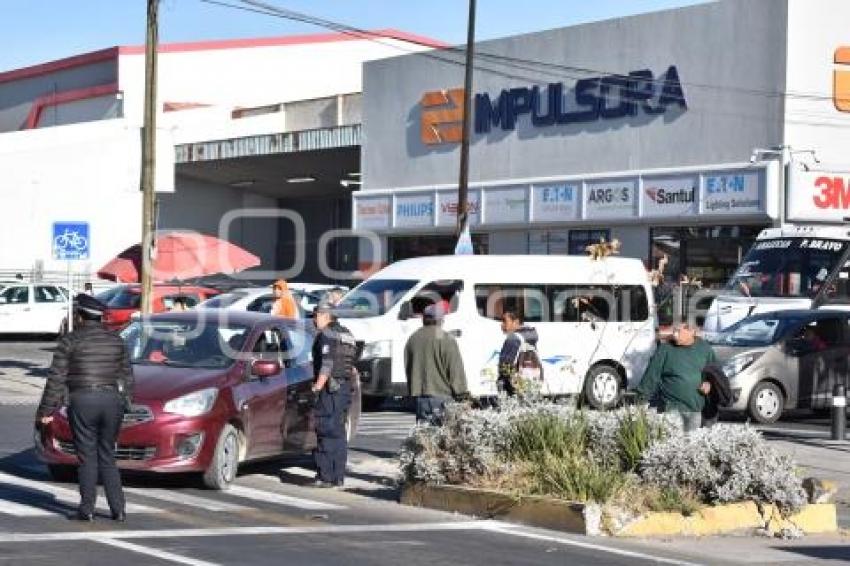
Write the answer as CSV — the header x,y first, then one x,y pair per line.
x,y
591,99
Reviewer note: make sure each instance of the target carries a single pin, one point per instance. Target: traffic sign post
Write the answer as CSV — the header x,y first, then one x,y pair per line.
x,y
71,242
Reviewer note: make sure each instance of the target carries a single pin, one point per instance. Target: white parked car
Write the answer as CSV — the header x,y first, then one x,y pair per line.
x,y
28,308
312,293
249,299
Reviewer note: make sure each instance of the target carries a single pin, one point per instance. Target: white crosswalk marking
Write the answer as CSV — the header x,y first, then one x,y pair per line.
x,y
21,510
63,495
279,498
392,425
185,499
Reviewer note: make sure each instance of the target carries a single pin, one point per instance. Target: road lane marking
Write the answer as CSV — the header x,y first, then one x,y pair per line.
x,y
241,531
305,473
21,510
279,498
514,530
64,495
185,499
161,554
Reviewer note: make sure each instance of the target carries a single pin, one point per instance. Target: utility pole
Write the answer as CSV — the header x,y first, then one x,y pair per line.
x,y
463,182
149,156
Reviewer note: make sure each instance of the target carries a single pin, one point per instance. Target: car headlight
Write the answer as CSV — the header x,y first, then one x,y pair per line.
x,y
193,404
736,365
379,349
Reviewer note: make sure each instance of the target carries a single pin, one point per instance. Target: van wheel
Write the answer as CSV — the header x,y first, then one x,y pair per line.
x,y
766,403
602,387
62,473
222,470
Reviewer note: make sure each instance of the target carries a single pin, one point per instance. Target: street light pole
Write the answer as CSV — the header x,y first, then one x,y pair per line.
x,y
463,182
149,156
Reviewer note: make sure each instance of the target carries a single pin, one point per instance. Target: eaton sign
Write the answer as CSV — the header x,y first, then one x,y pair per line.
x,y
591,99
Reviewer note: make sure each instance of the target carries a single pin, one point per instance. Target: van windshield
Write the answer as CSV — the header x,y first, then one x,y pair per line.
x,y
787,267
757,331
374,297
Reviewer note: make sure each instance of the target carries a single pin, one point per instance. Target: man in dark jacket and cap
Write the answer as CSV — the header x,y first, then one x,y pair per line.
x,y
91,372
516,334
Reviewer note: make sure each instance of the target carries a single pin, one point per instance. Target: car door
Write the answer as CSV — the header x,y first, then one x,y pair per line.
x,y
300,431
49,308
15,309
262,400
822,356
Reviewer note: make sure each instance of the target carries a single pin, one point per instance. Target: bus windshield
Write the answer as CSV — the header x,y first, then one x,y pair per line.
x,y
787,267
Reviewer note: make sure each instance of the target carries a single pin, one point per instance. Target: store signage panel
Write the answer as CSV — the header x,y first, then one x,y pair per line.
x,y
732,193
819,196
555,202
610,199
669,196
447,207
414,210
506,205
372,213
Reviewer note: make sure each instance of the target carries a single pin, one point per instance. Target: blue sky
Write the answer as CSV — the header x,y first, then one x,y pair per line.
x,y
35,31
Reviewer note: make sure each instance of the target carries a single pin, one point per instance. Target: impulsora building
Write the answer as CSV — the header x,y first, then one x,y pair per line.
x,y
650,129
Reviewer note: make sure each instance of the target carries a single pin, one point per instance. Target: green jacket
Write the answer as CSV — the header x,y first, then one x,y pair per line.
x,y
433,364
676,373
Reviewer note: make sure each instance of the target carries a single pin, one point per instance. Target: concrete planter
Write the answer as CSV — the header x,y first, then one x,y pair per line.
x,y
592,519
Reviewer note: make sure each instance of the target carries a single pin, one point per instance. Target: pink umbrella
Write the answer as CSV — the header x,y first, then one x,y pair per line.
x,y
180,255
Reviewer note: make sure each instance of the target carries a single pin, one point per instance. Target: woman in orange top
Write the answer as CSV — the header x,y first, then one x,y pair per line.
x,y
284,305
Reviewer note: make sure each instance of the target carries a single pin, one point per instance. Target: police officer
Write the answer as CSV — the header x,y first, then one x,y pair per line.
x,y
91,364
333,366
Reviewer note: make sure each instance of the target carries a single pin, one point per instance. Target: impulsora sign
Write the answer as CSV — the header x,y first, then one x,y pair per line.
x,y
592,99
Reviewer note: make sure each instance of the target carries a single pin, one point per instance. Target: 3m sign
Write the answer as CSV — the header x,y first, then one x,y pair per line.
x,y
442,116
819,196
841,88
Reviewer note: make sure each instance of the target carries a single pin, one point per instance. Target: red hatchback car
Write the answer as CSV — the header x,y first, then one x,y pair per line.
x,y
123,301
213,390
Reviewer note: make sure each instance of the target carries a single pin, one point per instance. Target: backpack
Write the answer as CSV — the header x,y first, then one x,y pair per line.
x,y
527,363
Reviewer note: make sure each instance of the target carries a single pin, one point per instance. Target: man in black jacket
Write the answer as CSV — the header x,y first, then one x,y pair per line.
x,y
92,367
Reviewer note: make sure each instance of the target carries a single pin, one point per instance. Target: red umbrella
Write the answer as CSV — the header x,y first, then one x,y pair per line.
x,y
180,255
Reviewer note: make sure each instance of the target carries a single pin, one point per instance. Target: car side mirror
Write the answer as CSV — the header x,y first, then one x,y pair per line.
x,y
405,312
265,368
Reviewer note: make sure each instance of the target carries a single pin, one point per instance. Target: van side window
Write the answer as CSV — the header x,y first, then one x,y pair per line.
x,y
633,300
446,291
598,303
529,301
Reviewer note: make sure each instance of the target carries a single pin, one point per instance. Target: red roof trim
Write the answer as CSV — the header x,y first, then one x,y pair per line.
x,y
113,52
55,99
282,41
60,65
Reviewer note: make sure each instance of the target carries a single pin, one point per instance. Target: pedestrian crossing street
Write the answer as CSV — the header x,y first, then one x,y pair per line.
x,y
26,493
388,424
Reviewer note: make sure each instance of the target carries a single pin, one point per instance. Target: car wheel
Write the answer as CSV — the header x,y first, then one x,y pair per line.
x,y
766,403
602,387
62,473
222,470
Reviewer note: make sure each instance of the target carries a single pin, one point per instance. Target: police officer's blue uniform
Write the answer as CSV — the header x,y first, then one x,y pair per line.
x,y
333,356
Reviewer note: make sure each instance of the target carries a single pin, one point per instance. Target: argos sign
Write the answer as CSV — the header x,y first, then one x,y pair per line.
x,y
819,196
589,100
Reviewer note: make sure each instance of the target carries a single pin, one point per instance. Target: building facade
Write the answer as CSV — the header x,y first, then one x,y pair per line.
x,y
675,132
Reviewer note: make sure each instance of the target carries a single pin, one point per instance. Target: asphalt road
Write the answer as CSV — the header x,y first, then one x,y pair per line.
x,y
272,517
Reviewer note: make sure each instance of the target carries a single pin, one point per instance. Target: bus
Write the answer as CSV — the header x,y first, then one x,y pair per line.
x,y
793,267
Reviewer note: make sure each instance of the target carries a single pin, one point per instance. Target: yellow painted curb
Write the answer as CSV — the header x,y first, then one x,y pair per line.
x,y
707,521
812,519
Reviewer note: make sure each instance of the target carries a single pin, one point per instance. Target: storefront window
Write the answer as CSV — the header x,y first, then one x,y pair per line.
x,y
406,247
580,239
548,242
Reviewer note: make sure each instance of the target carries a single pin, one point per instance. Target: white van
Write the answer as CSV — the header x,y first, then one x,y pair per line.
x,y
595,319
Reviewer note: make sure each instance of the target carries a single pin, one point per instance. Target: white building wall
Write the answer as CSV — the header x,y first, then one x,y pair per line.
x,y
82,172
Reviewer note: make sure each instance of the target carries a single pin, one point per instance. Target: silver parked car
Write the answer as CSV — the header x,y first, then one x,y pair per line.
x,y
785,360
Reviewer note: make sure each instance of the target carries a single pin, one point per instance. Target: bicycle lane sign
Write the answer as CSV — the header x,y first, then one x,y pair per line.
x,y
71,240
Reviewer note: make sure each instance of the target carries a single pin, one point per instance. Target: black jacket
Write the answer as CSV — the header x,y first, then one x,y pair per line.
x,y
91,355
720,394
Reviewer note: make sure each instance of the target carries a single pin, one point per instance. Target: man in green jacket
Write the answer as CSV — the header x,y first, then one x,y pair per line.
x,y
675,374
433,366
